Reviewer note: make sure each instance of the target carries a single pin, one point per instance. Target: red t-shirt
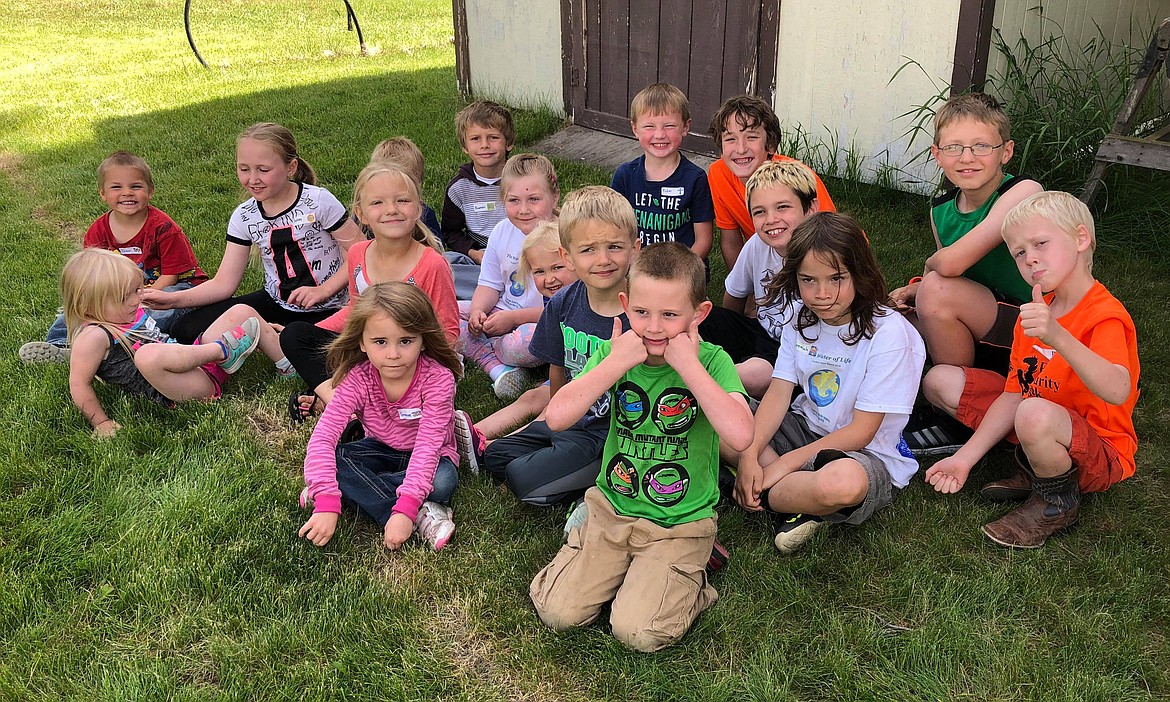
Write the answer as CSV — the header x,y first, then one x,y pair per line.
x,y
729,194
1100,322
159,248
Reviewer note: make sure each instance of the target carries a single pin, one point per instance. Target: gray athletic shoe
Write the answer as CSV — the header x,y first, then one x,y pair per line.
x,y
43,352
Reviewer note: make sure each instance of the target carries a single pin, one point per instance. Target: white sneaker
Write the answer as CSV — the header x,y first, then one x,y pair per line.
x,y
43,352
434,524
511,383
469,441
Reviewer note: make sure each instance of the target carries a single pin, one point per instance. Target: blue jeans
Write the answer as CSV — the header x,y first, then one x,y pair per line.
x,y
59,334
466,274
369,474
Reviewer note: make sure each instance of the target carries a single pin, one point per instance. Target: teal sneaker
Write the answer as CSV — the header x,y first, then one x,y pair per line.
x,y
238,344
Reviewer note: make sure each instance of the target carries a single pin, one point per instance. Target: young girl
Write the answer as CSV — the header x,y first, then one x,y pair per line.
x,y
386,200
540,257
396,372
505,307
115,340
836,454
302,232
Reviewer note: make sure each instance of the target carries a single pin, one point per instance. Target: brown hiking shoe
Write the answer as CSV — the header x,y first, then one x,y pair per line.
x,y
1054,504
1014,488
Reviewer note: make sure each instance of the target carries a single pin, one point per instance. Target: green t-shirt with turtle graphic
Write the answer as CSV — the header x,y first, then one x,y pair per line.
x,y
661,457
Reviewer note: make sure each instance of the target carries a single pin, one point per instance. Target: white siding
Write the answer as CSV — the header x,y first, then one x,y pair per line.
x,y
514,51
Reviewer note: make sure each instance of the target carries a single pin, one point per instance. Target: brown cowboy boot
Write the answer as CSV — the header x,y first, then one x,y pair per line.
x,y
1015,487
1055,503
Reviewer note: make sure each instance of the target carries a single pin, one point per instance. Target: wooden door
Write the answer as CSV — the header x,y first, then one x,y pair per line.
x,y
711,49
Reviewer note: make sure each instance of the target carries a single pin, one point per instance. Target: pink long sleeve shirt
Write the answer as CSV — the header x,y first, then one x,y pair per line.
x,y
422,422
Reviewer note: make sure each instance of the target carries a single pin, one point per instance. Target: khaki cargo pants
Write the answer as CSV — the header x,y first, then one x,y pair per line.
x,y
655,576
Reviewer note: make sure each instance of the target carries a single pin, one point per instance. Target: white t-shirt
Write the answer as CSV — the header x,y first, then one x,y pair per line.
x,y
498,270
297,245
756,263
878,374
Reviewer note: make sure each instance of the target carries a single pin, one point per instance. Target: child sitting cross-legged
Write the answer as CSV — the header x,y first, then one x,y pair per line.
x,y
1071,388
114,339
835,453
396,372
650,522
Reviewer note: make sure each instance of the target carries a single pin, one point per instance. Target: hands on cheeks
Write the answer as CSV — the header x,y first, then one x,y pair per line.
x,y
320,527
948,475
627,346
397,530
684,347
1036,318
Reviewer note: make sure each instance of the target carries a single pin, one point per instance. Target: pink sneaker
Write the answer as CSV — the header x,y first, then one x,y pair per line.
x,y
434,524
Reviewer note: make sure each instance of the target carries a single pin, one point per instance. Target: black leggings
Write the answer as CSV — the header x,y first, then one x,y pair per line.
x,y
187,328
304,345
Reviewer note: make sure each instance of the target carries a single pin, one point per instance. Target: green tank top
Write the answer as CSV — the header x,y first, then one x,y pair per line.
x,y
996,270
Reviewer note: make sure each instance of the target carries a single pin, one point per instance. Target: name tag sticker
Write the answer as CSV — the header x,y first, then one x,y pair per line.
x,y
673,192
484,206
408,414
307,219
130,251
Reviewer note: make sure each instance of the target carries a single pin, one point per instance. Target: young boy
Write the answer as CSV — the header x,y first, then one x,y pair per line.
x,y
472,203
968,297
1072,385
599,238
138,231
780,195
406,155
747,133
651,520
670,195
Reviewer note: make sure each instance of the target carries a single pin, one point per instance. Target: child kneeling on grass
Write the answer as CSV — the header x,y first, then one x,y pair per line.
x,y
1071,387
115,340
396,372
835,453
650,523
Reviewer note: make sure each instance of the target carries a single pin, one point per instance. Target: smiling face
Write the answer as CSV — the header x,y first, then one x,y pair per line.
x,y
392,351
550,271
487,149
528,202
826,288
125,190
1046,254
743,149
775,213
600,253
389,207
971,173
661,135
660,310
262,172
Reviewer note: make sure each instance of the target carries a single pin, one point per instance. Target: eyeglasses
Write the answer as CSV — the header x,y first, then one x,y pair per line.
x,y
956,150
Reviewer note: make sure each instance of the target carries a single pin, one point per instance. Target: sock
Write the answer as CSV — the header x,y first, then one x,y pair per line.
x,y
224,346
284,365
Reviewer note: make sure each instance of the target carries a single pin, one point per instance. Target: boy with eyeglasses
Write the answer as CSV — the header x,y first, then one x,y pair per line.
x,y
967,300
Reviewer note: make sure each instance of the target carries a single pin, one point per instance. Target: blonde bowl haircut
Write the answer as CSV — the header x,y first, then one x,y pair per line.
x,y
281,141
525,165
978,107
92,280
410,308
488,114
660,99
421,233
674,262
791,174
125,158
596,202
545,237
404,153
1062,210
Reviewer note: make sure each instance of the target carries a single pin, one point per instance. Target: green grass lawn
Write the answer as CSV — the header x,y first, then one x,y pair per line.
x,y
164,564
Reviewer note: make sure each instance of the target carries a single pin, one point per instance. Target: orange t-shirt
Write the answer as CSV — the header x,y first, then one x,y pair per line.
x,y
1100,322
728,194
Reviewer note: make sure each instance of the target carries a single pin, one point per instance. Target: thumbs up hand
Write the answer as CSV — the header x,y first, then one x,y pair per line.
x,y
1036,318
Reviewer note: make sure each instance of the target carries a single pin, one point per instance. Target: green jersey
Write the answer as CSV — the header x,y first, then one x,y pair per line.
x,y
997,270
661,457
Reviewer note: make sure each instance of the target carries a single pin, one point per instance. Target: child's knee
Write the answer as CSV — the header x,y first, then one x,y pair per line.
x,y
943,385
841,483
1038,419
149,357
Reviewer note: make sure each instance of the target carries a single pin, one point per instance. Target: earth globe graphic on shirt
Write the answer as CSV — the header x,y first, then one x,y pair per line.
x,y
823,387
